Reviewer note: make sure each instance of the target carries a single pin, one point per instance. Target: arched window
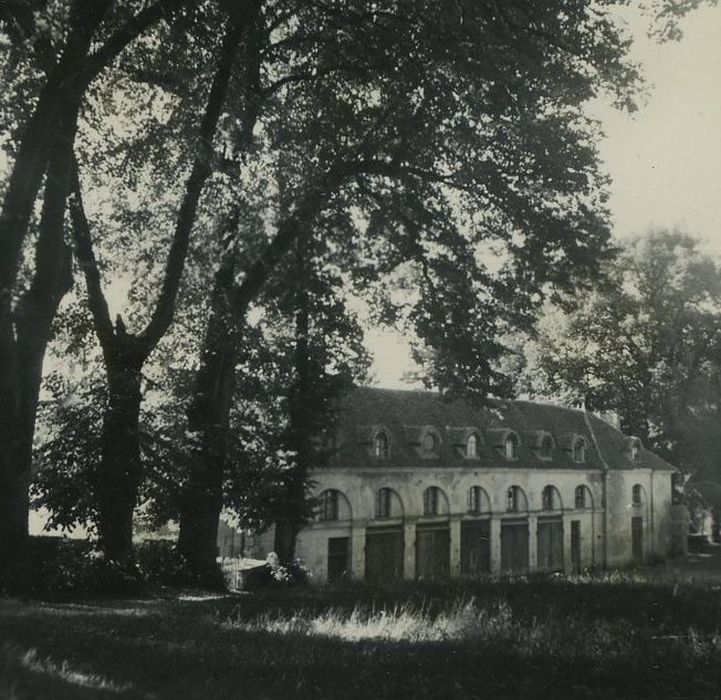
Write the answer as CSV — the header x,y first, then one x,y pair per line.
x,y
583,498
431,500
381,445
579,450
637,495
384,502
475,499
472,446
550,499
511,446
516,500
546,447
328,506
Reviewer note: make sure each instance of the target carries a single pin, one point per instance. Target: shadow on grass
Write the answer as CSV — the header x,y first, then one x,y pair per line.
x,y
553,640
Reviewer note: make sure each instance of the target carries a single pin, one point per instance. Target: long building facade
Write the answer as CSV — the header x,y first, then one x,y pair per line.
x,y
421,488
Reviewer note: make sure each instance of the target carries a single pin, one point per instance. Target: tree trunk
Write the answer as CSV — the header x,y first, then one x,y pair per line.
x,y
121,473
291,507
33,318
201,500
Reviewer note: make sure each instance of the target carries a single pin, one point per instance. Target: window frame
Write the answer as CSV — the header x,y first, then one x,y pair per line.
x,y
431,501
474,453
579,444
382,445
435,440
545,449
330,506
475,500
579,497
513,494
384,503
512,441
549,497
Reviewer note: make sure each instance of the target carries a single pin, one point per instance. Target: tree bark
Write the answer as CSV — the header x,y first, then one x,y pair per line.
x,y
121,470
201,499
209,415
290,509
30,334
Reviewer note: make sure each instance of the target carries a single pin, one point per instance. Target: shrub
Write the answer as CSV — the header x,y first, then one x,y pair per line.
x,y
54,565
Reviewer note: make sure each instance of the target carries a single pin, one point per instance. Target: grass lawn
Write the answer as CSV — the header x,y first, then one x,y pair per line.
x,y
610,637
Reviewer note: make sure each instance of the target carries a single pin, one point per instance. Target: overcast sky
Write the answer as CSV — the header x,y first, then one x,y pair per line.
x,y
665,159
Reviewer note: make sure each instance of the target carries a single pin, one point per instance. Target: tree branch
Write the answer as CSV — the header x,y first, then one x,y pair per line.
x,y
165,308
85,255
133,28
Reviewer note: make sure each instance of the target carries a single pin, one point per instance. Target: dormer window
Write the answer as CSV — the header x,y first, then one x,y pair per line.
x,y
381,445
511,446
546,447
430,442
579,450
472,446
635,449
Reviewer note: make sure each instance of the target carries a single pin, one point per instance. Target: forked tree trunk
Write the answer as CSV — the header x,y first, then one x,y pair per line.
x,y
121,469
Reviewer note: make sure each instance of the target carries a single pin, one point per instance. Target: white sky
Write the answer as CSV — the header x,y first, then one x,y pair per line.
x,y
665,160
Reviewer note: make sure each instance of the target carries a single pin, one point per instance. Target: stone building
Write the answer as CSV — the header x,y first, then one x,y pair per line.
x,y
418,487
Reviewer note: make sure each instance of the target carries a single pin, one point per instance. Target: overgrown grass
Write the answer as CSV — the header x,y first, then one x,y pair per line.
x,y
613,636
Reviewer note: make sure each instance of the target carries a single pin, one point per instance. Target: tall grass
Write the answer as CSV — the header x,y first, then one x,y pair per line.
x,y
611,637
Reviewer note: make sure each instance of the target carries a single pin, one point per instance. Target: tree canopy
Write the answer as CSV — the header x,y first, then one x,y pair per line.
x,y
644,344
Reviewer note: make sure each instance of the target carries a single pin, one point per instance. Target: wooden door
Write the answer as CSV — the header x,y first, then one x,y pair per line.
x,y
338,558
576,563
514,546
384,554
475,548
433,551
637,540
550,545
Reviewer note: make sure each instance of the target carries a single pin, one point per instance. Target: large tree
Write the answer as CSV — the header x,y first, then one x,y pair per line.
x,y
125,352
55,51
643,344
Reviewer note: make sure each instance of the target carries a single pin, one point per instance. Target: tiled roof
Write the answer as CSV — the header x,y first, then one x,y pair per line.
x,y
367,410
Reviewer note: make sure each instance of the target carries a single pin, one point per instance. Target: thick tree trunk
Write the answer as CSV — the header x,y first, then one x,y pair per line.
x,y
291,507
209,415
201,499
33,318
121,473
